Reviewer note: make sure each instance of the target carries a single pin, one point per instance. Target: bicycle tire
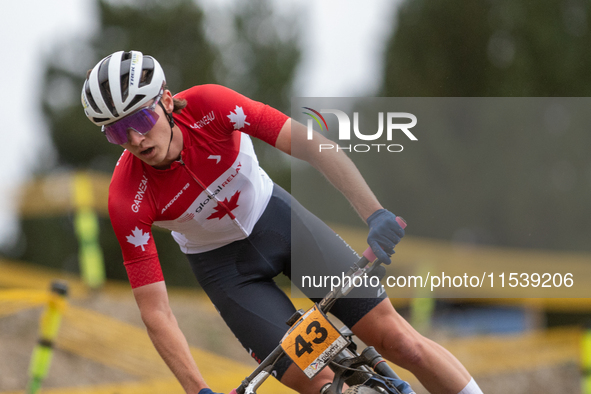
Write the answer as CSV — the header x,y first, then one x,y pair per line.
x,y
361,389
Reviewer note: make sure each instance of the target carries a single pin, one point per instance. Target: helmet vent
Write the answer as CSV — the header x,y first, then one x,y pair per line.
x,y
147,71
133,102
124,73
124,86
107,98
90,99
103,78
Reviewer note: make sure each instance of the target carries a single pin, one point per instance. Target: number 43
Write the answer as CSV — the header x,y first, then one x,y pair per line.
x,y
303,346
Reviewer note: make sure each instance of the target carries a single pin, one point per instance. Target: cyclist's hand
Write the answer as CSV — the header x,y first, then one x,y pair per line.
x,y
384,234
207,390
402,386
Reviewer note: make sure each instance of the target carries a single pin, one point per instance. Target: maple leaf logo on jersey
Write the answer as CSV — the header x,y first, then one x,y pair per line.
x,y
238,118
220,212
138,238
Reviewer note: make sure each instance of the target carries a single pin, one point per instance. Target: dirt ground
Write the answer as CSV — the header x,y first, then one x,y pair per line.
x,y
204,329
18,335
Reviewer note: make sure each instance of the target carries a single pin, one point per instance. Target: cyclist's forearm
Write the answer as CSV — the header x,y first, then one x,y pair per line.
x,y
345,176
333,164
172,346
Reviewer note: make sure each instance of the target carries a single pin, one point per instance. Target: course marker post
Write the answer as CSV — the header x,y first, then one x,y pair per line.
x,y
48,328
422,305
586,359
86,225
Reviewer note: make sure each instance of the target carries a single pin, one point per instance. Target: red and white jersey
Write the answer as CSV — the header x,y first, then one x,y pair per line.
x,y
210,198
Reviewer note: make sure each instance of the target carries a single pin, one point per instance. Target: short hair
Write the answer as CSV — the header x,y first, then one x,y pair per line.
x,y
179,104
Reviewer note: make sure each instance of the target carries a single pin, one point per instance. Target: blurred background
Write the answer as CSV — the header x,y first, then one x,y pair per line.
x,y
266,50
274,50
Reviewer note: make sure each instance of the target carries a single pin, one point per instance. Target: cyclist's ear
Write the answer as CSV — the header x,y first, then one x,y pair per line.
x,y
167,101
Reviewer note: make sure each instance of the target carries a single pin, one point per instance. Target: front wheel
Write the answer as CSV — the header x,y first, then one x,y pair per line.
x,y
361,389
400,388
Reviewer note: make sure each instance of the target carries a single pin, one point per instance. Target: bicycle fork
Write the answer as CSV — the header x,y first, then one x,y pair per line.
x,y
353,369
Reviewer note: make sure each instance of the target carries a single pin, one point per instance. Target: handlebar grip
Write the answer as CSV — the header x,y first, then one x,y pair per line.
x,y
369,255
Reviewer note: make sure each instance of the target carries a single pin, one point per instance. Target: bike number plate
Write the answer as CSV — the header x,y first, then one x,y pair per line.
x,y
312,342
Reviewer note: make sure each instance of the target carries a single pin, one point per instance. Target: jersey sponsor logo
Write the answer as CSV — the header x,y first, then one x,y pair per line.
x,y
139,195
185,218
138,238
208,199
238,118
229,179
217,158
218,189
175,198
207,119
228,206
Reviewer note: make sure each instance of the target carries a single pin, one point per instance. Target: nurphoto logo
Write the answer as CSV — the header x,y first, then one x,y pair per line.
x,y
393,127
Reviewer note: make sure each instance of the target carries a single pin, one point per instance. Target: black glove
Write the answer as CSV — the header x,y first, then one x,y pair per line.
x,y
384,234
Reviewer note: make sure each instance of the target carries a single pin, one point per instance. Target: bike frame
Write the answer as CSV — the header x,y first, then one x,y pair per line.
x,y
368,264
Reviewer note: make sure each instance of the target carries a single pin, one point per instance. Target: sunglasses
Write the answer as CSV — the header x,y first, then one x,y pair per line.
x,y
141,121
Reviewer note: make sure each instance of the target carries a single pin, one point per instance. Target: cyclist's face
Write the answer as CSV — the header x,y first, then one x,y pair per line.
x,y
152,148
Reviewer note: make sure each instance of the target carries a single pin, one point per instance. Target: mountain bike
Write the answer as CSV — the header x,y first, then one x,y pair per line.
x,y
364,373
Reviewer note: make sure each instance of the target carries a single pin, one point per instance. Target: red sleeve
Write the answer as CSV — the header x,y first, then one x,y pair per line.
x,y
270,125
234,111
130,210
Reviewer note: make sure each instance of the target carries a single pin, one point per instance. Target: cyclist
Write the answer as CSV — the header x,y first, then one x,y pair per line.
x,y
189,166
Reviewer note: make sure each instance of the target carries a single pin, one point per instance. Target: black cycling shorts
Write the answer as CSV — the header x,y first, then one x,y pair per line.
x,y
238,278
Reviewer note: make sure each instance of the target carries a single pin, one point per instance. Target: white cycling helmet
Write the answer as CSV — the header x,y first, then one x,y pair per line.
x,y
120,84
